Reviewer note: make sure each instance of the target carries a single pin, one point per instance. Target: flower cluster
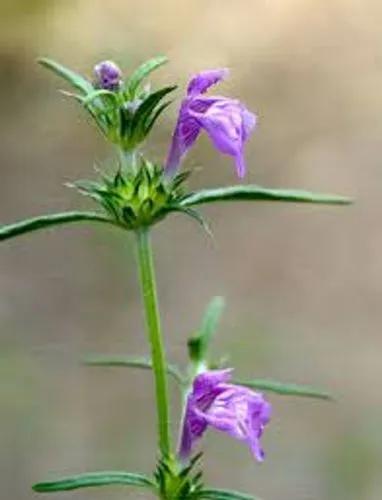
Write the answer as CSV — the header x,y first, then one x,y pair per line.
x,y
125,111
227,122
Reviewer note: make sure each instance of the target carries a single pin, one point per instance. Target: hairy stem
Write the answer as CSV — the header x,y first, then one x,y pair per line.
x,y
149,293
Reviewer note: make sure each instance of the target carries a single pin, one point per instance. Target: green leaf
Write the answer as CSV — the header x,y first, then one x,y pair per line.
x,y
285,389
94,479
132,362
252,192
156,115
198,345
45,221
142,72
76,80
146,108
212,494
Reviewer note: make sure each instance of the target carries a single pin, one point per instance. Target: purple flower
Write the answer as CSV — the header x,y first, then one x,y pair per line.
x,y
229,408
108,75
227,122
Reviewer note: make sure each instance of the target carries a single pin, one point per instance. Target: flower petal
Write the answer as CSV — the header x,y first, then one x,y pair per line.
x,y
228,124
249,122
238,411
201,82
240,165
260,416
194,426
207,381
185,134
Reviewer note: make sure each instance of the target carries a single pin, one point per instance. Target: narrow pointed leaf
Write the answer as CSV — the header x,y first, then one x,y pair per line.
x,y
194,214
156,115
148,105
72,95
143,71
257,193
213,494
131,362
92,479
45,221
73,78
211,318
199,344
285,389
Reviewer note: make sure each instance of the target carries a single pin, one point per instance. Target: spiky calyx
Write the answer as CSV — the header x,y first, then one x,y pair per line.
x,y
138,197
176,482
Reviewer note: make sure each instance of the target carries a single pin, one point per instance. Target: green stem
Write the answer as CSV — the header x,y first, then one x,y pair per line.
x,y
148,284
128,159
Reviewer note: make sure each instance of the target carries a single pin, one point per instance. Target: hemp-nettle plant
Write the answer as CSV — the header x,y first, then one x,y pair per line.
x,y
136,194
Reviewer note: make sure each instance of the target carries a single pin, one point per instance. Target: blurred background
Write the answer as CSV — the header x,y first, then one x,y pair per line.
x,y
303,284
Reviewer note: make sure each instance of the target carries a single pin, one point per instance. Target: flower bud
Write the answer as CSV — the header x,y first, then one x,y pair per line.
x,y
108,75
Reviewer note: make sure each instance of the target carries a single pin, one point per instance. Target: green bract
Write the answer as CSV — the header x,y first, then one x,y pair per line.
x,y
178,482
136,197
126,115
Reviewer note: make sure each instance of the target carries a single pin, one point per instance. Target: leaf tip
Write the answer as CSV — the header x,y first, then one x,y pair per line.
x,y
344,200
43,61
162,58
38,487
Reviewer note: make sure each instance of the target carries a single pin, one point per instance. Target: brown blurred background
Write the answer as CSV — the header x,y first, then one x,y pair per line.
x,y
303,284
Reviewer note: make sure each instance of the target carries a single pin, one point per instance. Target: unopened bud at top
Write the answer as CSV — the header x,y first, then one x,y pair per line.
x,y
108,75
